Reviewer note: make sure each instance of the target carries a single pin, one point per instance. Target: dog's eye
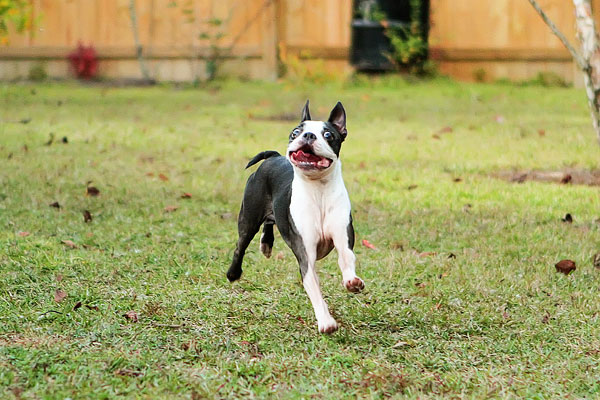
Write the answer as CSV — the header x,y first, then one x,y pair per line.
x,y
295,133
327,135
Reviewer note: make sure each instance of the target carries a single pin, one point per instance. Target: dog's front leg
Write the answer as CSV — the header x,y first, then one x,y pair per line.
x,y
343,240
311,284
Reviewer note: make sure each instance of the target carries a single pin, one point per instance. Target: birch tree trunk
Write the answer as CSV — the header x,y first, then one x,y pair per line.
x,y
589,60
138,45
588,36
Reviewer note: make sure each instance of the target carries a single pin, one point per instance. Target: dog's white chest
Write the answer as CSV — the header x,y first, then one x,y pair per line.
x,y
318,208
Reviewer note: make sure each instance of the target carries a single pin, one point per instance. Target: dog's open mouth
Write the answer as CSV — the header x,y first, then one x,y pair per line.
x,y
305,158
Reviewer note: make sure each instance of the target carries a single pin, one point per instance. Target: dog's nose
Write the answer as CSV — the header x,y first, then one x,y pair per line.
x,y
309,137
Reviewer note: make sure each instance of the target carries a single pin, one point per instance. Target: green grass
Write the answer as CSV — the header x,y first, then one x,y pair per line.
x,y
496,321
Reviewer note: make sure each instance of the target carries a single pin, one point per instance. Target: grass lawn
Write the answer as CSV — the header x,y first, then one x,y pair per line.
x,y
494,320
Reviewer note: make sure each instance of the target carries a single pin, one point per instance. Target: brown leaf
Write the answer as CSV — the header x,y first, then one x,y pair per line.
x,y
92,191
149,173
427,254
128,372
131,315
499,119
568,218
226,215
412,187
446,129
451,255
23,234
280,256
59,278
59,295
400,344
457,180
541,132
368,244
421,285
77,306
546,318
596,260
87,216
435,136
171,208
565,266
93,308
186,195
566,179
163,177
362,165
55,204
69,243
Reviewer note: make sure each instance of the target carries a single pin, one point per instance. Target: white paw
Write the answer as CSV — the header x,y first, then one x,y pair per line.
x,y
354,285
266,249
328,325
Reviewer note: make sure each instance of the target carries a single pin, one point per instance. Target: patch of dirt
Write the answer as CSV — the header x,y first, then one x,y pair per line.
x,y
564,176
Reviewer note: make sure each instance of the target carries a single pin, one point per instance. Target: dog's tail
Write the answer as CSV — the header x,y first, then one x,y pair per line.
x,y
262,156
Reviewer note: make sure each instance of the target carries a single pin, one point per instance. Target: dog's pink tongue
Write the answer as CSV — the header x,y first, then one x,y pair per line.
x,y
302,156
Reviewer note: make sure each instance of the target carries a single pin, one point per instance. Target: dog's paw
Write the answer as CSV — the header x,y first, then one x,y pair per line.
x,y
266,249
354,285
328,325
234,274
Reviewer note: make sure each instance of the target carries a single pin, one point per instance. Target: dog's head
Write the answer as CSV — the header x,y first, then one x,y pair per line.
x,y
314,146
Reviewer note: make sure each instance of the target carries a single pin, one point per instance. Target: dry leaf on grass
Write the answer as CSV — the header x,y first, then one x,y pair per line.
x,y
565,266
59,295
171,208
24,234
131,316
69,244
55,204
186,195
87,216
92,191
368,244
163,177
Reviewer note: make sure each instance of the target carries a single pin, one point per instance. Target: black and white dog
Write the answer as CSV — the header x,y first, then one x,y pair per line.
x,y
303,193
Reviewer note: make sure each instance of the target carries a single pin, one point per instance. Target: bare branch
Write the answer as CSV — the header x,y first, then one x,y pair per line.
x,y
578,59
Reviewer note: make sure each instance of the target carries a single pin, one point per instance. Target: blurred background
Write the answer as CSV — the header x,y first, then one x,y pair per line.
x,y
197,40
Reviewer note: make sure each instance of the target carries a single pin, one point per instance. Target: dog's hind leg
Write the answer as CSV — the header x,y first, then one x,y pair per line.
x,y
267,238
248,226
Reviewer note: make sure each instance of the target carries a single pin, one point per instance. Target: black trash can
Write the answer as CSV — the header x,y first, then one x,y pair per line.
x,y
370,46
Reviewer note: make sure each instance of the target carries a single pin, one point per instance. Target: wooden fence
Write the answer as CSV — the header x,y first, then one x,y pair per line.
x,y
470,39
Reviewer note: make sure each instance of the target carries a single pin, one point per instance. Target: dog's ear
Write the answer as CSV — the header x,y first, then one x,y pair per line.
x,y
338,119
305,113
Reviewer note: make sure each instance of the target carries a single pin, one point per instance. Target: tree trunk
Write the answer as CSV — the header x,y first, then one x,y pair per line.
x,y
138,45
590,47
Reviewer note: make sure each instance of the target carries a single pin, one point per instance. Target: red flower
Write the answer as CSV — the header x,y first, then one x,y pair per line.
x,y
84,61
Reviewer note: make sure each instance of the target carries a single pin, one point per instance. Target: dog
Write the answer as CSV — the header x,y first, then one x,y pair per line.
x,y
303,193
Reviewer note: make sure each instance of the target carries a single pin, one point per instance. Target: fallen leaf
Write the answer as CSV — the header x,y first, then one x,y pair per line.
x,y
92,191
451,255
362,165
59,278
505,315
25,148
541,132
568,218
186,195
499,119
163,177
93,308
87,216
77,306
131,315
412,187
565,266
128,372
427,254
519,178
149,173
566,179
55,204
397,246
546,318
226,215
457,180
24,234
49,142
421,285
400,344
59,295
368,244
280,256
69,243
596,260
65,140
446,129
171,208
435,136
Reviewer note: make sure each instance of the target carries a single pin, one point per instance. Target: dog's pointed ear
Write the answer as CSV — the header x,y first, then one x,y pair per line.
x,y
338,119
305,113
